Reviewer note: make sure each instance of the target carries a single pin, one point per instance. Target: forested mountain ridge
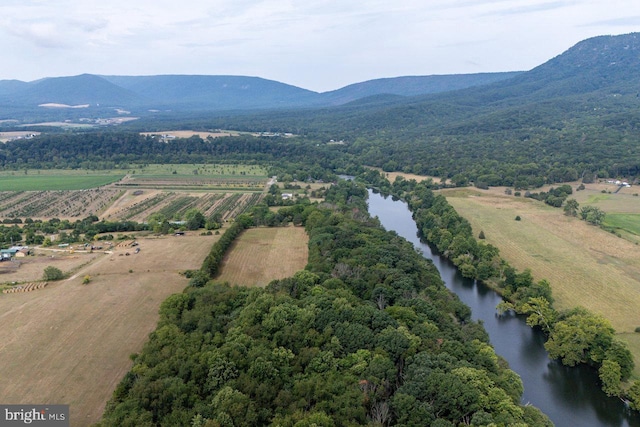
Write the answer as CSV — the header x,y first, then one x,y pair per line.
x,y
576,116
82,89
214,93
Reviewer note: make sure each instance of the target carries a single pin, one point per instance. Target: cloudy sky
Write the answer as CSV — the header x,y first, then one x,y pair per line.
x,y
315,44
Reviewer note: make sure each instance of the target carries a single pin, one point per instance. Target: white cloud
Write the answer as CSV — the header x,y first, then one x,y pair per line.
x,y
316,44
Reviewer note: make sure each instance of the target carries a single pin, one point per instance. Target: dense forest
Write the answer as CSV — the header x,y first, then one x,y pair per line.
x,y
523,162
367,334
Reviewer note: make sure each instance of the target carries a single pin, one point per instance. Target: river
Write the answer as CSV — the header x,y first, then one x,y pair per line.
x,y
569,396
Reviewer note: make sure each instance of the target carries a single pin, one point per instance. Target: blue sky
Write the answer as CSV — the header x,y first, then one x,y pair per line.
x,y
315,44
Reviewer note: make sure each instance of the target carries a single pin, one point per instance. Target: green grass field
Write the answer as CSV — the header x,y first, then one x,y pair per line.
x,y
627,222
80,179
45,182
207,170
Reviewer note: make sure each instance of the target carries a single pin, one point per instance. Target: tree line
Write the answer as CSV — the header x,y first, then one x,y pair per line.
x,y
575,336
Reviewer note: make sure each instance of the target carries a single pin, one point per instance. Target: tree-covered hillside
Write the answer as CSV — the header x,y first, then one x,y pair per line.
x,y
572,117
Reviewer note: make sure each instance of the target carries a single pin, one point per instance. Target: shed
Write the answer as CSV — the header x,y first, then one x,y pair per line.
x,y
22,253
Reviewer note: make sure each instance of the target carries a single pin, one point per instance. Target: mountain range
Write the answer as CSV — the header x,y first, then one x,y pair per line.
x,y
213,93
601,69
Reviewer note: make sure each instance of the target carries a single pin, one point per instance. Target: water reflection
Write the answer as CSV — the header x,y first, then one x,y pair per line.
x,y
569,396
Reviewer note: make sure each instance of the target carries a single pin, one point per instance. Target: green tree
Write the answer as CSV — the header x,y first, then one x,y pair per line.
x,y
195,219
53,273
539,313
610,376
571,207
581,337
633,394
592,214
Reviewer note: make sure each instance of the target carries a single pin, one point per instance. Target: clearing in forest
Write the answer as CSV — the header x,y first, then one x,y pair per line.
x,y
261,255
69,343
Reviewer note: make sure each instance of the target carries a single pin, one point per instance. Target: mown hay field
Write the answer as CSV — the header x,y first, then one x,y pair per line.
x,y
585,265
261,255
70,343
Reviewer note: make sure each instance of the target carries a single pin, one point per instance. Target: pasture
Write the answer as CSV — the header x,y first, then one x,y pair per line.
x,y
260,255
585,265
46,182
70,343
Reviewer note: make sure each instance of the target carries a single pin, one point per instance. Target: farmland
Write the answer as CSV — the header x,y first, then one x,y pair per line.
x,y
44,182
138,205
69,342
260,255
170,134
585,265
132,193
61,204
10,136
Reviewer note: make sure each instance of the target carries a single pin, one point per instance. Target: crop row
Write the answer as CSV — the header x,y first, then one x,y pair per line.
x,y
47,204
145,205
178,206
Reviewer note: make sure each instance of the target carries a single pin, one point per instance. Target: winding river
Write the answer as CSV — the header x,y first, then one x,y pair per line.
x,y
569,396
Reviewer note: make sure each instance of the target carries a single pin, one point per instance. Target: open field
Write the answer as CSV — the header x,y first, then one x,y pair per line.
x,y
211,170
73,194
165,134
10,136
197,177
585,265
31,268
70,343
260,255
54,182
391,176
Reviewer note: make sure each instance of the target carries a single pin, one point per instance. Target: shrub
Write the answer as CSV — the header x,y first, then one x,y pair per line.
x,y
638,329
518,218
86,280
199,279
481,235
53,273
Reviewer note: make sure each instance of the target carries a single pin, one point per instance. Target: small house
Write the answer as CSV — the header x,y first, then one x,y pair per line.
x,y
22,253
8,253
